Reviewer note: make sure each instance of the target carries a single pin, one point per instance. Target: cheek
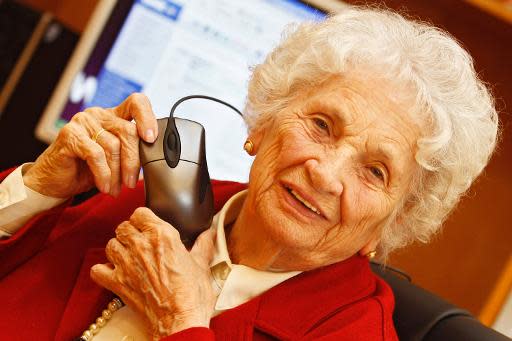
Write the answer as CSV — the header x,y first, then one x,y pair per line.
x,y
362,209
286,147
264,168
297,146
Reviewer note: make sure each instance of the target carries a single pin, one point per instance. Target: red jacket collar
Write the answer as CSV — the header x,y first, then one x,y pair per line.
x,y
294,307
314,295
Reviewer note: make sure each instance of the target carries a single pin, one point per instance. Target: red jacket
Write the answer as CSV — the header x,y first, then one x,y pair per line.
x,y
46,292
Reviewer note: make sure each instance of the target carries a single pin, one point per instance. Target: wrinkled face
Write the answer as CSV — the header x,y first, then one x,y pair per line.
x,y
330,169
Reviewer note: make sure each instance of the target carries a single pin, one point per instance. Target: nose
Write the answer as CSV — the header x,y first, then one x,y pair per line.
x,y
324,177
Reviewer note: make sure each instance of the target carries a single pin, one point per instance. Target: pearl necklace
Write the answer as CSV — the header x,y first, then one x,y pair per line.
x,y
101,321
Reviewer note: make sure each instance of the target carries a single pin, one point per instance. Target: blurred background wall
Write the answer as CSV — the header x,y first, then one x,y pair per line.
x,y
73,14
469,262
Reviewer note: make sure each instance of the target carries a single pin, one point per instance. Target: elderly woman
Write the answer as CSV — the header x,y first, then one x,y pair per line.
x,y
366,130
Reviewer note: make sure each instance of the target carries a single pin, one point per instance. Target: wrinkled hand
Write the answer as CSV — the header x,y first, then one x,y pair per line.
x,y
74,163
153,272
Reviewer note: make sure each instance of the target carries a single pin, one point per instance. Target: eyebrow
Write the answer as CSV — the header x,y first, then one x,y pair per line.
x,y
328,108
390,153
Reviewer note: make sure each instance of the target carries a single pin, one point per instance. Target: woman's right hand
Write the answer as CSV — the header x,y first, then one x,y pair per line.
x,y
75,162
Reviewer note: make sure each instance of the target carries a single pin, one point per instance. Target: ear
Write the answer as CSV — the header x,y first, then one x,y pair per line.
x,y
256,136
370,246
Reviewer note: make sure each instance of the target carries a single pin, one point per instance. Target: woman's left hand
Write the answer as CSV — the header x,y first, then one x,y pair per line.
x,y
153,272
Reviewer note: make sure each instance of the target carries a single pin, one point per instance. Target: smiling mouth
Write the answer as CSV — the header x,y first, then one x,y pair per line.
x,y
303,201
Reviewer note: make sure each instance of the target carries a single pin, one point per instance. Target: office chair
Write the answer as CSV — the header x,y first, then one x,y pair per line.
x,y
422,316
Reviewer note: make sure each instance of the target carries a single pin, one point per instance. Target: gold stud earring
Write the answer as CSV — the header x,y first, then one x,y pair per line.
x,y
371,254
248,146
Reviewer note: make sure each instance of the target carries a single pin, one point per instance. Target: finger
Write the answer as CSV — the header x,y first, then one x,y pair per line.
x,y
103,274
116,253
126,234
89,120
81,145
138,107
204,247
112,147
143,219
126,132
116,122
148,223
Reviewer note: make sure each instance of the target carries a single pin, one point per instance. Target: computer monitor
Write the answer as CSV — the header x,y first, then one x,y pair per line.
x,y
168,49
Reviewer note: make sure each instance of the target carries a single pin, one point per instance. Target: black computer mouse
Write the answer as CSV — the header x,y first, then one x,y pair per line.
x,y
176,178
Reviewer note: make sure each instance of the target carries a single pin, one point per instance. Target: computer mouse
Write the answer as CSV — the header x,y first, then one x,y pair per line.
x,y
176,179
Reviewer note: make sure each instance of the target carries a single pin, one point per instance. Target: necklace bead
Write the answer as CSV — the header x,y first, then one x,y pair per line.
x,y
101,321
87,335
94,329
112,306
107,314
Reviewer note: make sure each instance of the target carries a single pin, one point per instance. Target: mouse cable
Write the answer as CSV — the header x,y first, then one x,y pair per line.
x,y
186,98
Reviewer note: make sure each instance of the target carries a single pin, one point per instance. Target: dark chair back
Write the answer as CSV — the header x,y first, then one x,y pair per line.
x,y
422,316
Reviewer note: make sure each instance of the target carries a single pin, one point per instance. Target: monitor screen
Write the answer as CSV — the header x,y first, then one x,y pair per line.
x,y
168,49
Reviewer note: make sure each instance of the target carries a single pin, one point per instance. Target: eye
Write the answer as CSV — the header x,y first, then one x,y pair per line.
x,y
377,172
321,123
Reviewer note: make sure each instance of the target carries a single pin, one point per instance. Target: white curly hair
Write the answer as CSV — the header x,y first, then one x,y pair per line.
x,y
461,116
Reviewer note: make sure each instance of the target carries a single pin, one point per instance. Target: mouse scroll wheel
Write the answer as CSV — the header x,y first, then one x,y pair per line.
x,y
172,142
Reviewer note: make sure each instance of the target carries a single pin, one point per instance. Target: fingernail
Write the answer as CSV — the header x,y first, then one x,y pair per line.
x,y
132,181
106,188
149,136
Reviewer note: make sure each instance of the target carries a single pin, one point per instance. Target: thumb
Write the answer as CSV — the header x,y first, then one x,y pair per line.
x,y
204,247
